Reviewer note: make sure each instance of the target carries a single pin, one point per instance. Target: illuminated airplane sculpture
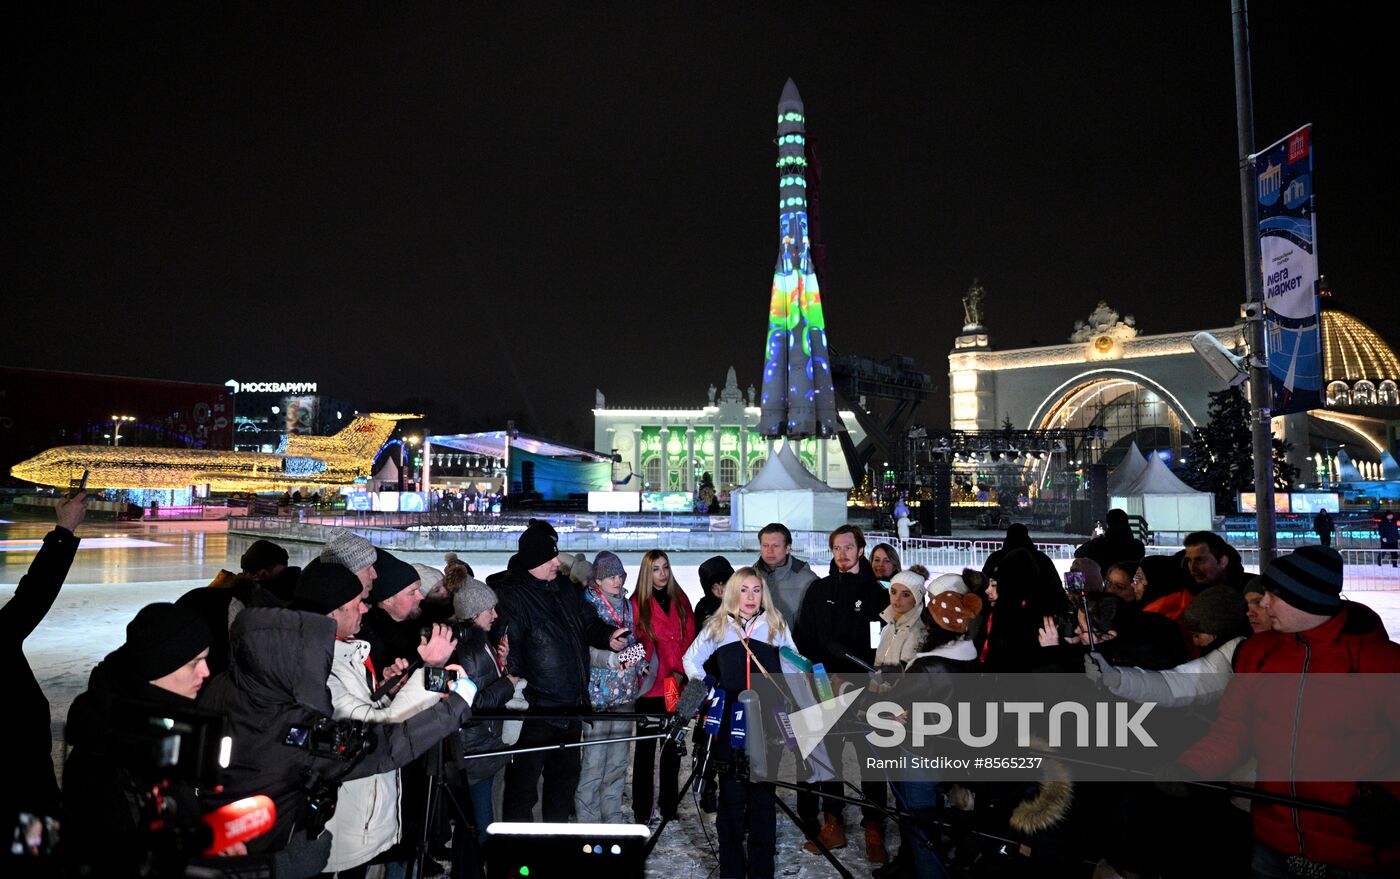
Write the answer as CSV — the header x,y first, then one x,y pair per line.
x,y
301,461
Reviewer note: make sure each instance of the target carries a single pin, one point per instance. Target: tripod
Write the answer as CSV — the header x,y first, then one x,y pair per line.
x,y
436,796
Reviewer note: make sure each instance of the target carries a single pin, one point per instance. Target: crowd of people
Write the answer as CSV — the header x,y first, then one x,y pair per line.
x,y
361,692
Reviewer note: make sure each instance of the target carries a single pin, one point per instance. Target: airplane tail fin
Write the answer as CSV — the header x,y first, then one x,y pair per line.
x,y
361,438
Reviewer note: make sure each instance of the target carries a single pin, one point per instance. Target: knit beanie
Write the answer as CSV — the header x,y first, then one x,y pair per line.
x,y
472,598
1218,610
948,583
715,569
1309,579
607,564
455,572
262,554
392,576
428,578
325,586
537,546
162,637
953,612
349,550
914,583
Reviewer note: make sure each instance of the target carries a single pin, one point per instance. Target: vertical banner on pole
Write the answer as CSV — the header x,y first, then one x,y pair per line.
x,y
1288,257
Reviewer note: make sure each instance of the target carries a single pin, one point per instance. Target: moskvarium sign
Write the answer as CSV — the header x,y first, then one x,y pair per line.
x,y
1283,183
239,387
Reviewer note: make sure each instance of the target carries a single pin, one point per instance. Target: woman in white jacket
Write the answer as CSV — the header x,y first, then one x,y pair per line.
x,y
740,641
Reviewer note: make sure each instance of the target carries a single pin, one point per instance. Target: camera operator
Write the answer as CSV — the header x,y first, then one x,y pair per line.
x,y
280,663
109,801
25,737
366,821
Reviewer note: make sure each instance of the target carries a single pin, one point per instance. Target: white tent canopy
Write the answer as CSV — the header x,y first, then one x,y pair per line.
x,y
784,491
1125,473
1167,503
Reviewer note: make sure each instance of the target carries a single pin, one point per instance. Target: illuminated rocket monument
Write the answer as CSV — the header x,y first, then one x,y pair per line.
x,y
798,399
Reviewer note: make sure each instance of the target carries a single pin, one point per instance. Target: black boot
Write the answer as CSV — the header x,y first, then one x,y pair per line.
x,y
901,866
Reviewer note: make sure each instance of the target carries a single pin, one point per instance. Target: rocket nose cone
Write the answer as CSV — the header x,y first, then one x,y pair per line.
x,y
790,95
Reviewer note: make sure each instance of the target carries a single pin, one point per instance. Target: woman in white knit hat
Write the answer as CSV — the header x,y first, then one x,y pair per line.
x,y
906,629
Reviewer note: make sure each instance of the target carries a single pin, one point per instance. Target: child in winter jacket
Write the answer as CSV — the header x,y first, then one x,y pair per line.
x,y
612,686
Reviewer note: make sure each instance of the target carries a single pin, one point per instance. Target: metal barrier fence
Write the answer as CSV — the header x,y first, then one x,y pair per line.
x,y
1368,568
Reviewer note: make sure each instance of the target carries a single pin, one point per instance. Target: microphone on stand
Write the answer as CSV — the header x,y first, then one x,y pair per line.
x,y
687,706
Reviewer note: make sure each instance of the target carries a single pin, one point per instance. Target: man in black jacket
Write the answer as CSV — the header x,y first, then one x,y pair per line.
x,y
111,805
25,737
1117,544
549,627
833,626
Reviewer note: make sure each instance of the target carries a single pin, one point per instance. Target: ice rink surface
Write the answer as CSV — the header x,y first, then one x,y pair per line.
x,y
121,568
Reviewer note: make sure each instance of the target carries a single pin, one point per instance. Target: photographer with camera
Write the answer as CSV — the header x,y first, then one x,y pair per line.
x,y
391,627
278,704
367,818
114,794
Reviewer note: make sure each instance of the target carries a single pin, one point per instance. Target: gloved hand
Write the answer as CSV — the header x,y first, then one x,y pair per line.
x,y
518,702
1376,813
465,687
510,730
1171,780
1101,672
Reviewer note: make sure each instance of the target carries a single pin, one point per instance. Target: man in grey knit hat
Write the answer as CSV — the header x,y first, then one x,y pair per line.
x,y
351,551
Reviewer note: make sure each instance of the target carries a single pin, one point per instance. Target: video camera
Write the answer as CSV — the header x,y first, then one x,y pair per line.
x,y
344,740
183,744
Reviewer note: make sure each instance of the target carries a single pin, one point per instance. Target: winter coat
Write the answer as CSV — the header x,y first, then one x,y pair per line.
x,y
901,638
1116,545
279,667
669,638
25,737
1322,523
836,615
106,801
389,639
707,605
1047,584
366,820
1011,639
787,585
735,670
1252,721
1196,682
610,687
477,658
551,627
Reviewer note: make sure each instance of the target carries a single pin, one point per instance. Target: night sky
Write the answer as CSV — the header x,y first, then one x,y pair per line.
x,y
491,210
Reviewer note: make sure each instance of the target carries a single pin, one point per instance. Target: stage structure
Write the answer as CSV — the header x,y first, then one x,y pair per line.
x,y
1051,480
797,397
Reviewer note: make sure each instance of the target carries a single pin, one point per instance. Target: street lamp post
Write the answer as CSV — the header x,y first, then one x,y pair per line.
x,y
117,422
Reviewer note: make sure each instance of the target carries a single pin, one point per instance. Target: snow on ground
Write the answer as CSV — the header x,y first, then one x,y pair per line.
x,y
113,578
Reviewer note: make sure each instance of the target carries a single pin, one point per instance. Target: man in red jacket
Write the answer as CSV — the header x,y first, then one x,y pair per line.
x,y
1314,632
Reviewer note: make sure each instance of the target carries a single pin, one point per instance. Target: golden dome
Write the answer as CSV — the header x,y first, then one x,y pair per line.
x,y
1353,351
